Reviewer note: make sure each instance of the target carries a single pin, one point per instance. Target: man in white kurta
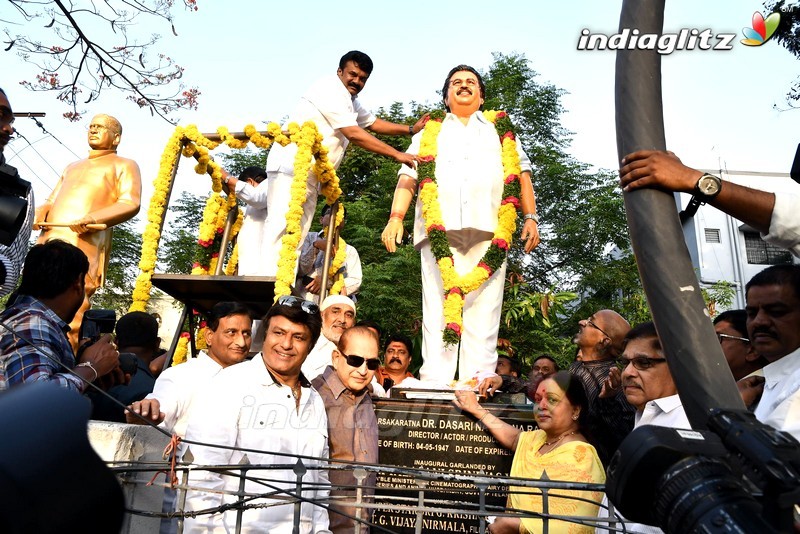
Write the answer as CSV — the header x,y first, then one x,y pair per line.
x,y
227,335
469,173
773,326
251,187
265,409
332,104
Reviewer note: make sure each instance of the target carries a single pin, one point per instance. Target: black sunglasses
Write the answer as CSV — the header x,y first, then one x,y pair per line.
x,y
640,363
358,361
296,302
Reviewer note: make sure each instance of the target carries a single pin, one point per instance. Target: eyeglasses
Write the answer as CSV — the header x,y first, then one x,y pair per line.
x,y
720,337
296,302
470,82
358,361
590,323
640,363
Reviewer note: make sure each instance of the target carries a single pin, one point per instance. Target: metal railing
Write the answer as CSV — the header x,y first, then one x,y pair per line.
x,y
430,501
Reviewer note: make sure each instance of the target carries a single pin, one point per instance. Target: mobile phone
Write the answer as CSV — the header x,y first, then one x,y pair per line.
x,y
97,322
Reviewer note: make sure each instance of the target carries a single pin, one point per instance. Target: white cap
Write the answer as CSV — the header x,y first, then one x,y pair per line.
x,y
330,300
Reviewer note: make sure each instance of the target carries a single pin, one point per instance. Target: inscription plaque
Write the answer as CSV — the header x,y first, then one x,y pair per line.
x,y
435,435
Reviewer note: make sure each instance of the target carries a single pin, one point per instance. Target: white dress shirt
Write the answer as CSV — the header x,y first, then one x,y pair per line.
x,y
331,106
667,412
250,410
251,235
320,357
784,227
779,406
177,388
469,171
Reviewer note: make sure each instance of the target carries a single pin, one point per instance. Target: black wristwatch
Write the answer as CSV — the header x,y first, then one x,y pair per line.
x,y
707,187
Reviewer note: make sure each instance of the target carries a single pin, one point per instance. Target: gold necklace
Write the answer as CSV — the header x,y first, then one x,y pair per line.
x,y
562,436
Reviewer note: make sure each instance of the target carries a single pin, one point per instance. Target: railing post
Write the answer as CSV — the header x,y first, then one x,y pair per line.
x,y
299,470
245,463
360,474
482,486
545,506
420,504
180,505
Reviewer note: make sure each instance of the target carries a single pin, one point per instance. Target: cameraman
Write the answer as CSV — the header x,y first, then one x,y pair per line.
x,y
33,328
12,256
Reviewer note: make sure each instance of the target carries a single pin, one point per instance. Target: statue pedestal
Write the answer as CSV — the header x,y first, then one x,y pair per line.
x,y
432,434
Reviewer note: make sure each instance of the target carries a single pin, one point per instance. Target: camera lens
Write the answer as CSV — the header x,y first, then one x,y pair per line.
x,y
700,492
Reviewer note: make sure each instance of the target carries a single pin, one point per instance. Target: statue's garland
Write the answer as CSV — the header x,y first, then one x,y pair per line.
x,y
189,141
456,287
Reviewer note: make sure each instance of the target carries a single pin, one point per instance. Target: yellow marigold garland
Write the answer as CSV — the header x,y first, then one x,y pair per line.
x,y
181,350
155,215
189,141
457,287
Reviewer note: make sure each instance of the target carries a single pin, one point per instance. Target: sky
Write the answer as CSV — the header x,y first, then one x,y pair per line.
x,y
252,60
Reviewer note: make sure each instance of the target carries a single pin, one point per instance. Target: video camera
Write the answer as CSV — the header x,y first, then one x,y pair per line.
x,y
95,324
13,203
741,477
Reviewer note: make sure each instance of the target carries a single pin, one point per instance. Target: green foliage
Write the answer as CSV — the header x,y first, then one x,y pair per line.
x,y
239,160
788,34
720,294
179,238
531,320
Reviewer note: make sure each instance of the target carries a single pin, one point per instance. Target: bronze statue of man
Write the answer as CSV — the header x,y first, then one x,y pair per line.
x,y
92,195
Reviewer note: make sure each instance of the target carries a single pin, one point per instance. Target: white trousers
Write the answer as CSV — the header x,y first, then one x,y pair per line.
x,y
481,319
278,199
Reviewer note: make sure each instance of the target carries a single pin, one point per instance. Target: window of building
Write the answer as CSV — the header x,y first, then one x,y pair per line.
x,y
759,252
712,235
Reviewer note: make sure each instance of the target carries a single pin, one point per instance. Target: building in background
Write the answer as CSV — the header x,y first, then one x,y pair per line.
x,y
725,249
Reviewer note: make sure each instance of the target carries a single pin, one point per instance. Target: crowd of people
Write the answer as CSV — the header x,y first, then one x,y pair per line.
x,y
318,369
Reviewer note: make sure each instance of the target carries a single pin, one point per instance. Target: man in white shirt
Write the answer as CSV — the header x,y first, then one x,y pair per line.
x,y
227,334
469,173
338,314
251,187
312,256
332,104
649,387
773,326
267,410
647,381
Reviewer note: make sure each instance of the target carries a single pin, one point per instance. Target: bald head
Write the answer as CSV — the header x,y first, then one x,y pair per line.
x,y
600,336
616,327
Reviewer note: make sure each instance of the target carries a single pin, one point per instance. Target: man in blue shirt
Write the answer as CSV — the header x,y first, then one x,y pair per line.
x,y
33,328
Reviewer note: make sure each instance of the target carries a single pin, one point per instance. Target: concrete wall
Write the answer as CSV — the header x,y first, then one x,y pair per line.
x,y
118,443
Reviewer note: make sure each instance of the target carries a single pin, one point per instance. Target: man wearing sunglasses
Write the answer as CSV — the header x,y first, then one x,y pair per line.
x,y
648,386
266,409
352,426
599,340
647,381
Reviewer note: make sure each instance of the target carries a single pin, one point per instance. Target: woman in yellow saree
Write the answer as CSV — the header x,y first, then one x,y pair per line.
x,y
558,448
